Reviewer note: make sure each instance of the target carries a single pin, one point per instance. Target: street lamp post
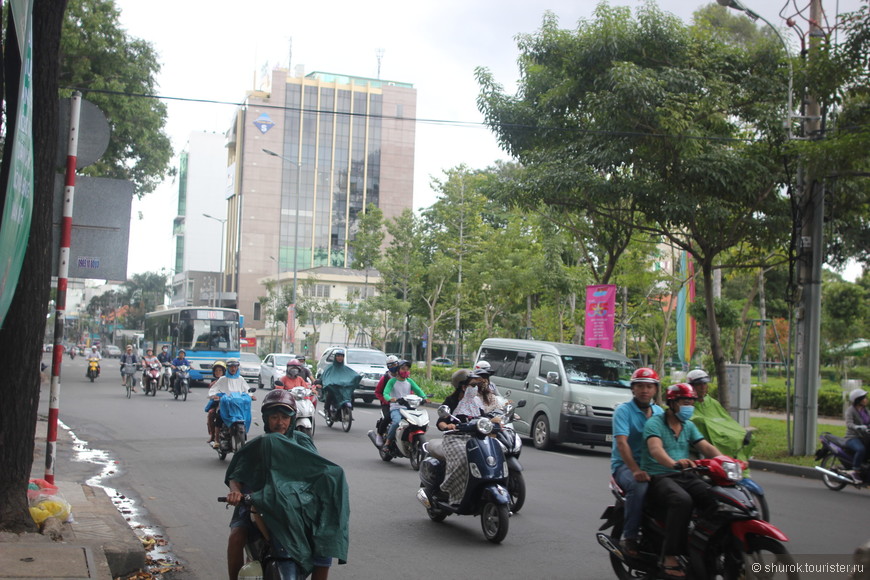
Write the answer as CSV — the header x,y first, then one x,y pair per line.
x,y
295,241
223,224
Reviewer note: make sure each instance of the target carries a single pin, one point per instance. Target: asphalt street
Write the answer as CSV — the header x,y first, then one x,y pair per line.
x,y
159,460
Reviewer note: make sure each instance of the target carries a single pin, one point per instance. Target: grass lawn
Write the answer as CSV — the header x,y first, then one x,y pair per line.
x,y
771,443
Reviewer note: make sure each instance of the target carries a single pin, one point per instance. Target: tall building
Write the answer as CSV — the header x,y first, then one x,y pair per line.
x,y
202,189
307,156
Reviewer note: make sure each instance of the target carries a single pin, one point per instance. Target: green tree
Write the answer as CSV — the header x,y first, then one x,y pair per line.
x,y
143,293
366,244
114,70
674,129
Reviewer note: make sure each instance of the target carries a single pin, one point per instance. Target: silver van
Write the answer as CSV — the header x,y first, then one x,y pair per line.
x,y
571,391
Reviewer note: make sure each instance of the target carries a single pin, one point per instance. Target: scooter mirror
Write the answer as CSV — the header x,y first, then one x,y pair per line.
x,y
443,411
252,390
522,403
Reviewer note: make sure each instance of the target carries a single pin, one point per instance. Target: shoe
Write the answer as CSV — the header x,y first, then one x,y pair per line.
x,y
379,440
856,475
628,546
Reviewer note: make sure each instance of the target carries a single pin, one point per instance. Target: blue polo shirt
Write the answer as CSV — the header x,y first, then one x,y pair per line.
x,y
629,420
677,447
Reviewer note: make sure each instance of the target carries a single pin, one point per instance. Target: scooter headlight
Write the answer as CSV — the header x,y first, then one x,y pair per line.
x,y
484,426
732,470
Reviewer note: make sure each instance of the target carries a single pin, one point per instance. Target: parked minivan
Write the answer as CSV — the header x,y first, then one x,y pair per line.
x,y
571,391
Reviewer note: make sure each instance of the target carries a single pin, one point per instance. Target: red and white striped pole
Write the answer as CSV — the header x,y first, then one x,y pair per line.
x,y
62,275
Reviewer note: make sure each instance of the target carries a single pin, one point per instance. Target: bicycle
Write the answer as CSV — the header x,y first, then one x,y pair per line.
x,y
128,370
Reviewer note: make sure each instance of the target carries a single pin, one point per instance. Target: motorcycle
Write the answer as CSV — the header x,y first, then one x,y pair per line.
x,y
836,459
306,404
151,378
235,414
72,353
485,493
410,436
513,445
338,407
727,543
166,377
182,382
93,368
264,560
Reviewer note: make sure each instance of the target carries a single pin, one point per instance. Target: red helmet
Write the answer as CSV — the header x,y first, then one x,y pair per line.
x,y
645,375
681,391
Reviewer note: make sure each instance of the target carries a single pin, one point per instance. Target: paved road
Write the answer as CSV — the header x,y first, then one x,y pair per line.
x,y
165,467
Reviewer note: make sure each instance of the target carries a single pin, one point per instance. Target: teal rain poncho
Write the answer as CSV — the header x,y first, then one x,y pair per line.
x,y
342,380
302,496
719,428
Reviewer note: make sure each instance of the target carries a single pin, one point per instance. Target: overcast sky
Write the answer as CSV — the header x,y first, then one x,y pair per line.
x,y
214,50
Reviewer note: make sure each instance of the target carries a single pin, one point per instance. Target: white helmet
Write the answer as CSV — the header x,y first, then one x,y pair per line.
x,y
392,359
482,365
697,376
855,395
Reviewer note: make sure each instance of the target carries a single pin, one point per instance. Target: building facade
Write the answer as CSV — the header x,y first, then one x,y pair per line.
x,y
307,157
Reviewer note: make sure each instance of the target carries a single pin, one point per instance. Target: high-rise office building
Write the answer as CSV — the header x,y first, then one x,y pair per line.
x,y
308,155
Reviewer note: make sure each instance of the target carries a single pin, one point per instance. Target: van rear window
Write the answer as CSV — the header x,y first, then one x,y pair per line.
x,y
598,371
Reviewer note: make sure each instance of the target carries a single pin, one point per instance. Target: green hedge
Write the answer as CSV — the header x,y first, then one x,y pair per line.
x,y
773,399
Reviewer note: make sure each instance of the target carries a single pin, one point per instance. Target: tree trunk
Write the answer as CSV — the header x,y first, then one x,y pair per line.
x,y
715,338
22,334
762,329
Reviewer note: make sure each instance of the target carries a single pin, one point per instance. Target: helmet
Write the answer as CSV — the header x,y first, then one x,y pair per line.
x,y
645,375
338,351
681,391
219,363
182,351
697,376
483,365
232,362
293,363
392,359
856,394
480,373
278,401
459,378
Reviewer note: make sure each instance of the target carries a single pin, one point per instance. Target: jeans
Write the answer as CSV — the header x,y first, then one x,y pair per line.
x,y
860,450
395,416
635,492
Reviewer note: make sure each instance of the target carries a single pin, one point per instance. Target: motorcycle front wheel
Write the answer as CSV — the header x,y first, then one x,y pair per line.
x,y
516,486
329,416
763,552
495,520
184,390
832,463
346,418
417,452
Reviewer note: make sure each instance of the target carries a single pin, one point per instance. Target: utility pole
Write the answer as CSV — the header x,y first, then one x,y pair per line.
x,y
810,256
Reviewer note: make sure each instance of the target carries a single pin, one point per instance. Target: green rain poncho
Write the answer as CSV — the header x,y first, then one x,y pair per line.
x,y
302,496
719,428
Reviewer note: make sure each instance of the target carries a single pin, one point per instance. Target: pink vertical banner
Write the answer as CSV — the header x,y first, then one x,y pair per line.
x,y
600,307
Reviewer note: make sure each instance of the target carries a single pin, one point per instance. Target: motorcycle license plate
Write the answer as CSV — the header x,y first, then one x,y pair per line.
x,y
608,437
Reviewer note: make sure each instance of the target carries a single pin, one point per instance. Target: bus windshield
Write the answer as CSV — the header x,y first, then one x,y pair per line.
x,y
210,335
598,371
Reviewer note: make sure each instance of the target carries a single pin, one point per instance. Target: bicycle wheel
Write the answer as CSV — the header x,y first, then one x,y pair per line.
x,y
128,386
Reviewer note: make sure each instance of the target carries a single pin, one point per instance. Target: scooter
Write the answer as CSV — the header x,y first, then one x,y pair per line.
x,y
166,376
410,435
513,445
836,460
340,407
306,404
93,369
725,543
264,560
182,382
485,494
235,414
151,378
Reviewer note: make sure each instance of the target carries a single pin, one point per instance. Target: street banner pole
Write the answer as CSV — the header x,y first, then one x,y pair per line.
x,y
62,274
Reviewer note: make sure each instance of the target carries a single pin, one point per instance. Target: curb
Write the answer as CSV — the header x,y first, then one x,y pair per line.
x,y
785,468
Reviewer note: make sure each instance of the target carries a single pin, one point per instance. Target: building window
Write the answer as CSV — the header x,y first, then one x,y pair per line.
x,y
317,290
257,313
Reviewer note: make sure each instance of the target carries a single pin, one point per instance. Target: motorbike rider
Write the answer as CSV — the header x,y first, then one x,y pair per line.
x,y
629,420
464,404
291,461
293,376
180,360
95,354
483,365
164,356
129,357
304,371
714,422
485,389
148,359
213,420
397,388
232,382
392,371
669,438
337,374
857,421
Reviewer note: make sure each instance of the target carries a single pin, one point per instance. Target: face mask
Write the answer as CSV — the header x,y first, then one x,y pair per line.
x,y
404,374
292,372
685,413
471,391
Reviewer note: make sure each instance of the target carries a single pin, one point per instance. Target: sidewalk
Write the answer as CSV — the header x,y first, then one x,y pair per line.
x,y
98,543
